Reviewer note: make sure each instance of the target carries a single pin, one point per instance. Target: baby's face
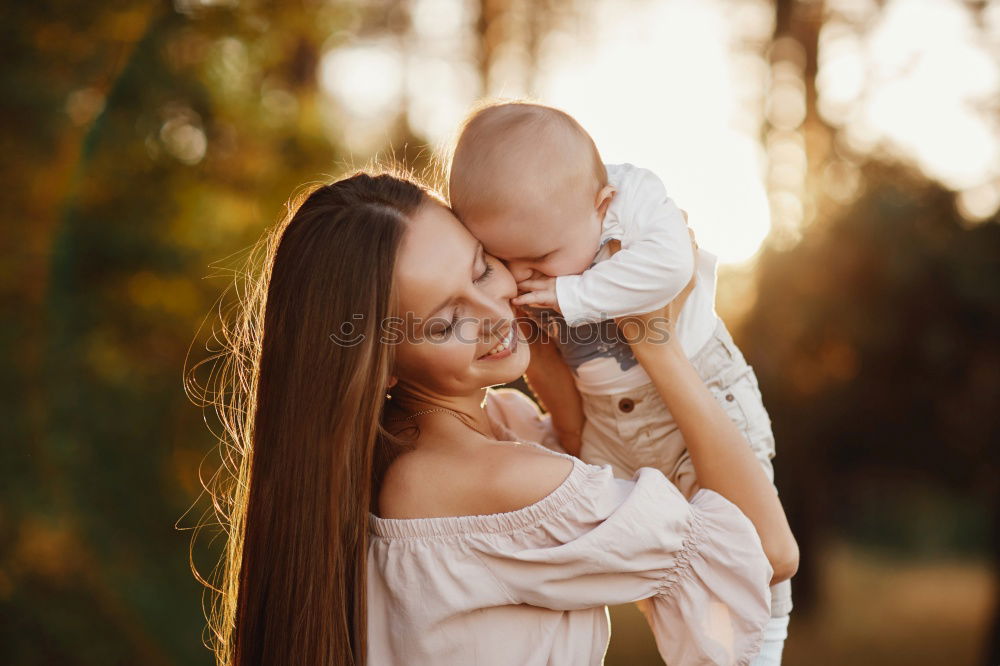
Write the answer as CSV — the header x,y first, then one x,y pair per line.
x,y
557,236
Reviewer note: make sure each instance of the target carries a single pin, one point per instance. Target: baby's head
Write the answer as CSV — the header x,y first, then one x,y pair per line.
x,y
527,180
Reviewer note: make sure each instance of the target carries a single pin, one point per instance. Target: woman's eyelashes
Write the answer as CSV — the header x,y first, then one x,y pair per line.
x,y
487,272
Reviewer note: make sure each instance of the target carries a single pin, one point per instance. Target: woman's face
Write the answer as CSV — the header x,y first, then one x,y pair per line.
x,y
454,305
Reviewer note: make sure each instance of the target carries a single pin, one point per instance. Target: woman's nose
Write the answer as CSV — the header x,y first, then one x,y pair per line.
x,y
495,307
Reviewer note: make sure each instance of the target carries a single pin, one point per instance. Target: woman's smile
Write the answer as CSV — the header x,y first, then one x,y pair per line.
x,y
504,348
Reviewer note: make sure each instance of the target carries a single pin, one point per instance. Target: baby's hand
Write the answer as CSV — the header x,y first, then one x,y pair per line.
x,y
539,292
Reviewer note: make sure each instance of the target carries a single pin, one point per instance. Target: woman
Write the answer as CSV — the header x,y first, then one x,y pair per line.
x,y
426,527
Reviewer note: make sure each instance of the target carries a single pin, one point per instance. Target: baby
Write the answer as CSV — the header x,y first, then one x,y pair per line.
x,y
587,242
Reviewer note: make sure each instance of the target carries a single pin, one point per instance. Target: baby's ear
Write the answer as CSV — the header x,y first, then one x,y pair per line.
x,y
604,197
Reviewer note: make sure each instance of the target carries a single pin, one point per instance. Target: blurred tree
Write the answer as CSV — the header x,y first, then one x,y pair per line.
x,y
797,140
874,340
514,31
813,180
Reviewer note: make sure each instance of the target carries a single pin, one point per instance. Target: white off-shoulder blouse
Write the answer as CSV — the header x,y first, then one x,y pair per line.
x,y
530,587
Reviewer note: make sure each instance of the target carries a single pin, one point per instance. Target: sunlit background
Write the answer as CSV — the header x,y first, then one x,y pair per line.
x,y
842,158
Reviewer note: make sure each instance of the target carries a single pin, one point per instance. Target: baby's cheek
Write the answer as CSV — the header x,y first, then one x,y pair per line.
x,y
569,265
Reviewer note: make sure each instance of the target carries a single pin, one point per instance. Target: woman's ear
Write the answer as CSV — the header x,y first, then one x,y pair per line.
x,y
392,382
604,197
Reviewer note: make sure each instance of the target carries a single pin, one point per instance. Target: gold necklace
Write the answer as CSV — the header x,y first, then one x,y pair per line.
x,y
460,417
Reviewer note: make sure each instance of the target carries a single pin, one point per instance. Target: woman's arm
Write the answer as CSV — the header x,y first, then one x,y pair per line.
x,y
721,457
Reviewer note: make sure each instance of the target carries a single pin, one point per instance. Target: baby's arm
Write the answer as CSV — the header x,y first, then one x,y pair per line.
x,y
654,265
551,380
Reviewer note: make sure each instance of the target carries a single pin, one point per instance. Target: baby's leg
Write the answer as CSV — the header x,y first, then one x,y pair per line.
x,y
775,633
734,384
608,436
629,430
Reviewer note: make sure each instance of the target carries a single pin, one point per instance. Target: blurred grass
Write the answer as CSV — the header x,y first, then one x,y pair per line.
x,y
875,611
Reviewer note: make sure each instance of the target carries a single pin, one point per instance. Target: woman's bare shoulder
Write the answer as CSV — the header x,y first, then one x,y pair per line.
x,y
493,478
524,475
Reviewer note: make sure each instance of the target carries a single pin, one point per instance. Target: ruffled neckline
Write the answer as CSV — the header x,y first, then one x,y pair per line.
x,y
493,523
396,528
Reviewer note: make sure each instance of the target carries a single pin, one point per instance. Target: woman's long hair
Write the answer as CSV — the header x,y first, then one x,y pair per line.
x,y
299,387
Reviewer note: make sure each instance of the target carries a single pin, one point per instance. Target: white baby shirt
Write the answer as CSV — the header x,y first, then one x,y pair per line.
x,y
652,267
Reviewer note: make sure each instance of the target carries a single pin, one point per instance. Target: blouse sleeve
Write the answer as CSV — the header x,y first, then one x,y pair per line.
x,y
701,563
